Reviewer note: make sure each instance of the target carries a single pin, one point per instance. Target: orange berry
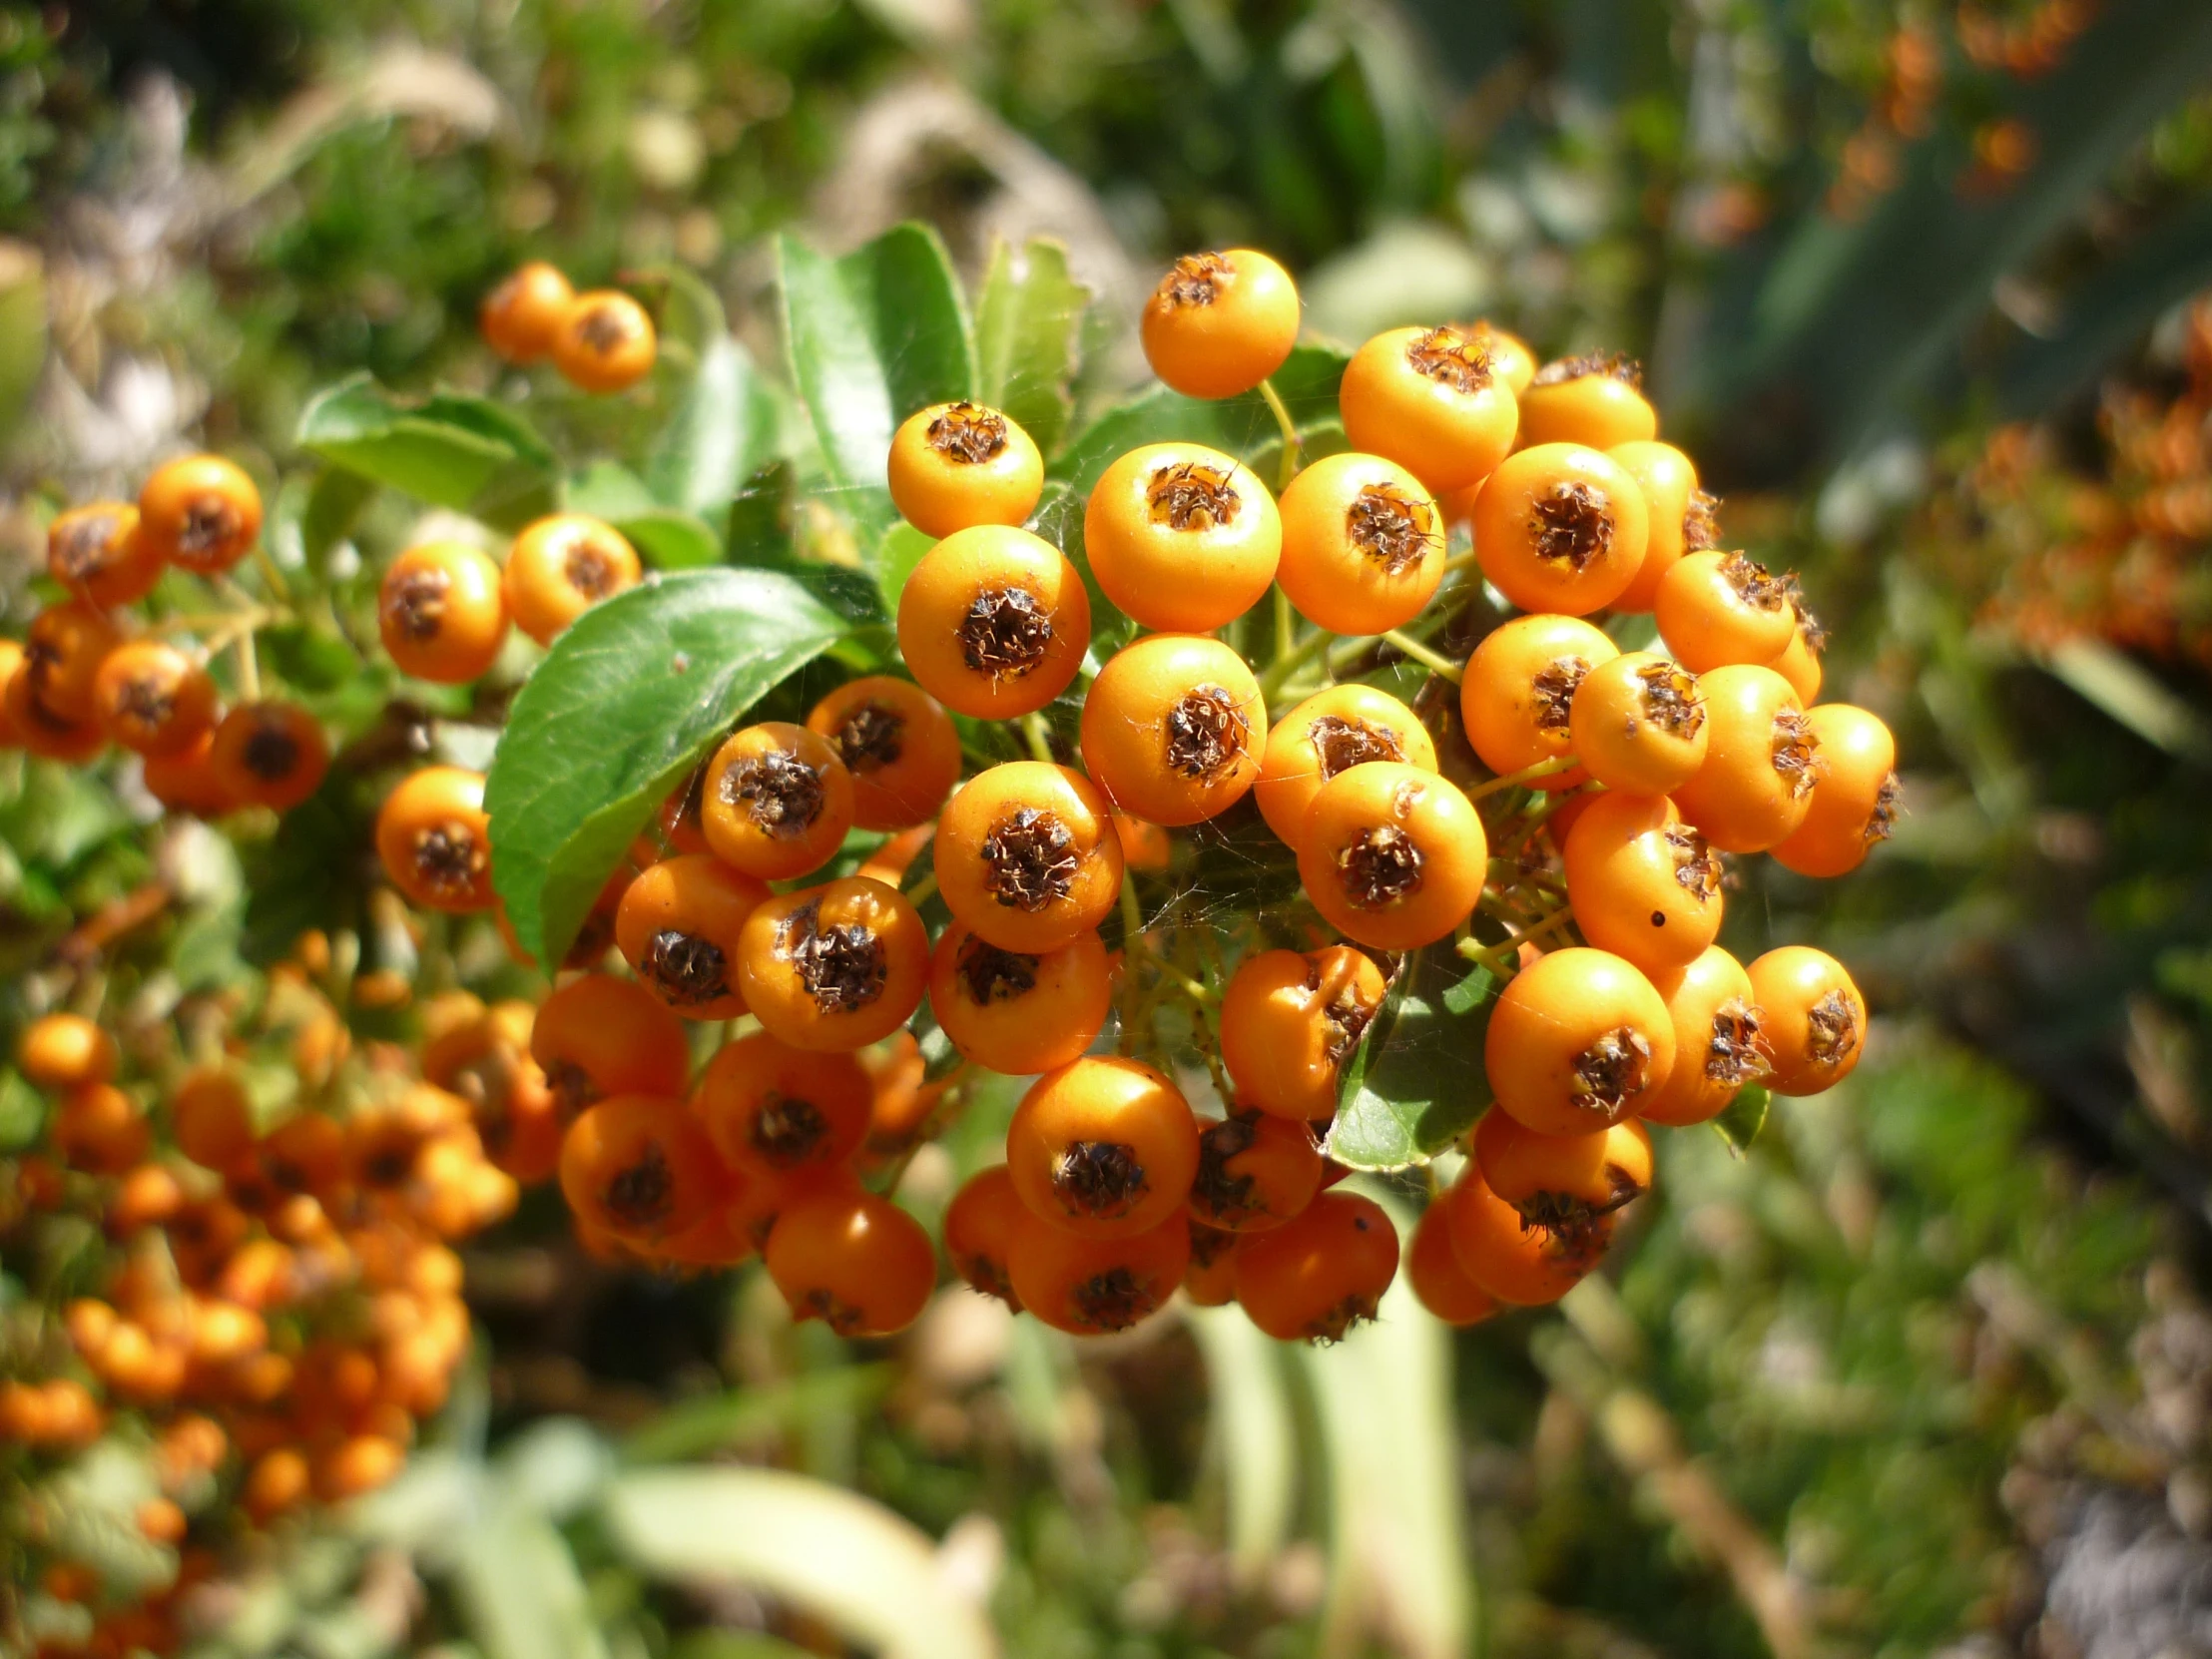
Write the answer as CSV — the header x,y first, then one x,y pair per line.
x,y
434,838
1595,400
1513,1262
65,1051
1719,1044
1561,527
596,1036
1363,544
1511,359
857,1262
186,781
1800,661
956,465
147,1196
898,744
1516,698
1326,1271
1432,399
1090,1287
603,342
200,513
358,1463
1287,1023
1811,1017
1643,884
1219,323
1254,1172
639,1168
519,318
96,553
1181,537
1393,857
62,654
1211,1279
268,754
97,1128
1577,1041
1668,479
1637,724
441,613
773,1110
560,567
1172,728
1855,802
777,802
979,1231
681,925
1331,731
152,698
834,967
1762,761
993,622
278,1481
1027,857
1443,1284
1720,608
1018,1013
1104,1147
33,729
1561,1181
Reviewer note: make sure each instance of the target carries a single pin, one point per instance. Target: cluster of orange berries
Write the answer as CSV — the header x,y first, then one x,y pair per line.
x,y
273,1308
601,340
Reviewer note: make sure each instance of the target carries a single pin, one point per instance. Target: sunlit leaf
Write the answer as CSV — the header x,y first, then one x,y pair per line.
x,y
1028,323
1415,1082
448,449
1744,1117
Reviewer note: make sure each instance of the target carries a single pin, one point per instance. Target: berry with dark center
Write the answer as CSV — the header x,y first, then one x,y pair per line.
x,y
1110,1300
1380,868
1667,697
786,1130
1452,357
1831,1029
1386,526
1206,733
1697,867
449,859
782,793
1005,633
872,737
1191,496
995,975
842,968
1737,1052
841,1316
571,1089
210,522
1797,752
1334,1324
1613,365
643,1194
1224,1198
604,328
1099,1178
1340,744
1754,584
1031,860
270,753
967,433
1701,527
1889,801
1612,1069
588,569
1196,279
86,547
148,699
418,603
1572,522
686,969
1552,691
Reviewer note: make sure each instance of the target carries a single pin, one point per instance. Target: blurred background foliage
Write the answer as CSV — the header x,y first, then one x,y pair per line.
x,y
1929,1370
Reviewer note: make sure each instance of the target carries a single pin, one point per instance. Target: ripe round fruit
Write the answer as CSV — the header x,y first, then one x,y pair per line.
x,y
1516,698
1220,323
773,1110
1762,761
1855,803
1173,727
1254,1172
955,465
1331,731
1443,1284
1719,1044
1432,401
899,744
1019,1013
1210,1281
1092,1286
994,622
62,654
99,1129
199,513
1181,537
32,728
1522,1266
834,967
979,1230
1287,1021
65,1051
776,802
1668,479
1577,1041
441,613
1719,608
560,567
1810,1017
1563,1181
857,1262
1363,544
1638,724
596,1036
211,1117
1393,857
1027,856
268,754
1321,1275
519,318
1105,1148
154,699
1596,400
680,926
1511,359
434,838
639,1167
1561,527
604,341
186,782
96,552
1800,661
1643,884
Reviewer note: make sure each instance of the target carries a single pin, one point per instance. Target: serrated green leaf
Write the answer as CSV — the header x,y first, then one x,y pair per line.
x,y
864,1571
448,449
1742,1119
625,704
1028,328
1416,1081
723,429
872,336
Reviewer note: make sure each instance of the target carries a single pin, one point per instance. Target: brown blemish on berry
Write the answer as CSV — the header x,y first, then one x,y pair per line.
x,y
1206,733
1565,1212
841,968
1098,1179
1031,860
571,1089
1552,691
1753,583
1612,1070
1452,357
1889,801
1387,527
1333,1326
872,737
1340,745
1005,633
1701,528
1196,279
1613,365
840,1316
967,434
989,1276
1737,1051
449,859
782,793
1208,1243
148,699
418,603
605,328
1831,1029
1797,752
210,522
587,569
270,752
1572,523
1191,496
687,971
86,547
1379,867
1697,867
1667,697
994,975
1110,1300
786,1130
1226,1199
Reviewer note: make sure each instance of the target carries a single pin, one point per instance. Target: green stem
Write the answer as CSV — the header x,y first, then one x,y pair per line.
x,y
1494,956
1285,665
1434,661
1286,627
918,894
1542,768
278,588
1038,735
249,668
1293,449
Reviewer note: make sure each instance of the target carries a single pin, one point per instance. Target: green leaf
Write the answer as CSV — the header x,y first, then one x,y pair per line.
x,y
312,518
609,490
626,703
1742,1119
872,337
309,656
2131,695
22,1111
723,429
1252,1434
1415,1082
895,557
1241,426
313,872
669,540
448,449
1028,327
871,1575
519,1589
756,1417
22,330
